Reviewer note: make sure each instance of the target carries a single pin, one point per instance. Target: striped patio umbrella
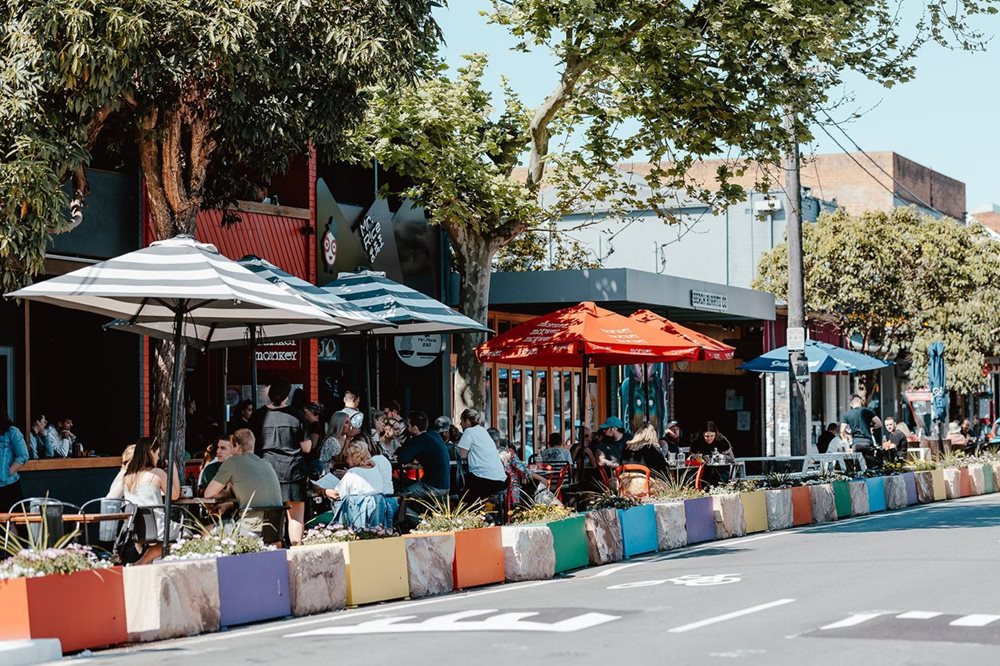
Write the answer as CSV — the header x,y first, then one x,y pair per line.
x,y
182,283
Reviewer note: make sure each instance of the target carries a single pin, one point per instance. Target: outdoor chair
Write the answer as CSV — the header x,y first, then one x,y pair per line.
x,y
633,480
275,523
108,531
55,529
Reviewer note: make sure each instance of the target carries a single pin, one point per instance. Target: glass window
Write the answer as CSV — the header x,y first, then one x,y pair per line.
x,y
557,424
503,398
541,409
567,403
516,410
529,413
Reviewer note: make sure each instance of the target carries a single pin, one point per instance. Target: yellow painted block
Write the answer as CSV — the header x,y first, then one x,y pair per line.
x,y
376,570
754,511
937,475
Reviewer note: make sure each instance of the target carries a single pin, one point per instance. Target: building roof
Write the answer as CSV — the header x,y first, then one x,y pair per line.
x,y
989,219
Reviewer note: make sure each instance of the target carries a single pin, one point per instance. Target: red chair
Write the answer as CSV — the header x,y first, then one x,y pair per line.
x,y
634,473
560,480
698,474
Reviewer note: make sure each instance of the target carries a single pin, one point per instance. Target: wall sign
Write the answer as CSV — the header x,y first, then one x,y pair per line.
x,y
330,244
283,354
706,300
329,350
418,351
371,237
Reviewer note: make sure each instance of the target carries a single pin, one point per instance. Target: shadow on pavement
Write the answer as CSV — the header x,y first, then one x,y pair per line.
x,y
939,517
692,554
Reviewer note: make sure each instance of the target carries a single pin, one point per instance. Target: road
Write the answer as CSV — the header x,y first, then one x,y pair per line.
x,y
917,586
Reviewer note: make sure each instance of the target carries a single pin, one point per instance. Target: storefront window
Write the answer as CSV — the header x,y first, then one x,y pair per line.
x,y
529,413
516,409
557,423
541,411
503,397
567,403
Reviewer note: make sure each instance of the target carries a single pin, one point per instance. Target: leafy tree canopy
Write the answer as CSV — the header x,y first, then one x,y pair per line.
x,y
901,281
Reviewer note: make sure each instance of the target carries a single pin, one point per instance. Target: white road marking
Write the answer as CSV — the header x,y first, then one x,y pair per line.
x,y
853,621
917,615
636,584
729,616
460,622
614,570
974,620
703,580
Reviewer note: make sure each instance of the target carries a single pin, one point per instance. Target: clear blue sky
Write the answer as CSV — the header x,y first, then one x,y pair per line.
x,y
944,119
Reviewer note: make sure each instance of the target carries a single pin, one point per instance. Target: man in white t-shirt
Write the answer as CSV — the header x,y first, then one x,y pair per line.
x,y
486,472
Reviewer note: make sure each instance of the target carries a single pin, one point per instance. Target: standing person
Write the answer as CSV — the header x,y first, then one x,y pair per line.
x,y
351,403
146,486
895,442
13,455
486,472
825,437
312,414
281,440
866,429
427,448
241,416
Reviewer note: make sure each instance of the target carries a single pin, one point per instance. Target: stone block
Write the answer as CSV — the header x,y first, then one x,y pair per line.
x,y
671,531
824,507
859,498
317,579
779,508
952,482
171,600
528,552
977,479
604,536
895,492
925,486
728,512
429,558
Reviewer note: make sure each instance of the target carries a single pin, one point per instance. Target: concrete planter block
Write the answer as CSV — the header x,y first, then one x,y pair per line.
x,y
671,530
754,511
699,520
253,587
964,482
989,480
729,521
528,552
911,489
171,600
895,492
801,506
569,539
317,579
876,493
859,498
376,570
478,557
995,473
429,558
842,498
924,482
952,482
604,536
940,488
977,479
779,508
824,506
638,530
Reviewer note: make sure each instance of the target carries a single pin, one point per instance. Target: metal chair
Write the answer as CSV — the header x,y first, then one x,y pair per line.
x,y
108,530
54,528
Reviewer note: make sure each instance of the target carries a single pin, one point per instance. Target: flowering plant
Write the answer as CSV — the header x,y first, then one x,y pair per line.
x,y
336,533
203,546
31,558
442,516
541,513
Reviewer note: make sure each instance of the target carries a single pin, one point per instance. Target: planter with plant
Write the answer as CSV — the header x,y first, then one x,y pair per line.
x,y
479,558
317,570
824,506
977,478
604,527
728,511
569,533
895,491
171,599
859,497
667,499
62,592
375,566
778,499
876,491
528,546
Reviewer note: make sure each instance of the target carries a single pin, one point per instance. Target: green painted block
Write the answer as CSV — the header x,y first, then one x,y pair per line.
x,y
569,537
989,483
842,498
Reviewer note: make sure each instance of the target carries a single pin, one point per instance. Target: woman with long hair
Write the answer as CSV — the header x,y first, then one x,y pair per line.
x,y
709,440
644,449
146,486
13,455
339,433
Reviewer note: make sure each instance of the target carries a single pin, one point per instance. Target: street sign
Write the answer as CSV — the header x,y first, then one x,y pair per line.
x,y
796,339
469,620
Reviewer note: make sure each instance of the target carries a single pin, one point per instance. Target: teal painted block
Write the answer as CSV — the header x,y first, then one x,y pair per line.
x,y
638,529
569,538
876,493
989,482
842,498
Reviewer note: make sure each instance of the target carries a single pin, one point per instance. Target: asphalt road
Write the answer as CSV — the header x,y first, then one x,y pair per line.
x,y
917,586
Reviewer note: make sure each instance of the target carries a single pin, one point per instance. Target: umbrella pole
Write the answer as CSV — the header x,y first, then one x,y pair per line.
x,y
253,365
368,378
645,388
225,392
583,395
175,396
378,372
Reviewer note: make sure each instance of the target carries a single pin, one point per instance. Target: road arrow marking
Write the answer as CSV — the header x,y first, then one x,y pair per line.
x,y
917,615
974,620
455,622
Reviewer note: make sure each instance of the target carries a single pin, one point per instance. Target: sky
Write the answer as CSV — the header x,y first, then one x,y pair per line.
x,y
944,119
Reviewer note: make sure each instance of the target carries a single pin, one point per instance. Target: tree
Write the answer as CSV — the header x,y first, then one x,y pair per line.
x,y
670,80
214,96
900,281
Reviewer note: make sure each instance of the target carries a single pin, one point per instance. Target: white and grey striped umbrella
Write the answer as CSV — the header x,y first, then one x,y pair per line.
x,y
409,310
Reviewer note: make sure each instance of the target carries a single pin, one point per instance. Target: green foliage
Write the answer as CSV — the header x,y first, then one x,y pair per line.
x,y
30,558
679,487
540,513
952,458
776,480
733,487
901,280
611,498
443,516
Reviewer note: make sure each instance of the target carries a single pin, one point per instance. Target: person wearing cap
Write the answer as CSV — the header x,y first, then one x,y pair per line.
x,y
671,440
609,451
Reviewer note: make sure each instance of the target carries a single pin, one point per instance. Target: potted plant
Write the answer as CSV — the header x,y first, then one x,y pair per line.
x,y
604,527
569,533
636,519
895,486
924,480
479,558
64,592
668,497
727,510
374,562
778,499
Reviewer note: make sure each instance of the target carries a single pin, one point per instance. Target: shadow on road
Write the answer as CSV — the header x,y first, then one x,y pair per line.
x,y
939,517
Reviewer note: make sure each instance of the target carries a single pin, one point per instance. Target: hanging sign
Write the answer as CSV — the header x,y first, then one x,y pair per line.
x,y
418,351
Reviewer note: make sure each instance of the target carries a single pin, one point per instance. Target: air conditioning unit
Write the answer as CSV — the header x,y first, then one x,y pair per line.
x,y
767,205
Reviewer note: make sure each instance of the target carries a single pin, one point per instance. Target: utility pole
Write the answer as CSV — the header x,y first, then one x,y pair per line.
x,y
798,368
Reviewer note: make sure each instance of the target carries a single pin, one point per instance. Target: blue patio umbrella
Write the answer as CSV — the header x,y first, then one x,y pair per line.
x,y
939,393
822,358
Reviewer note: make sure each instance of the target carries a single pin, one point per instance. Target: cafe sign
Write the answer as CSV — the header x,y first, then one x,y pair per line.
x,y
706,300
418,351
283,354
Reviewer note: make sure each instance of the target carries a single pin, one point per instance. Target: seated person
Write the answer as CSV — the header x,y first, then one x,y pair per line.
x,y
670,443
644,449
517,472
362,477
427,448
612,445
221,450
117,489
711,440
251,480
359,500
384,468
556,452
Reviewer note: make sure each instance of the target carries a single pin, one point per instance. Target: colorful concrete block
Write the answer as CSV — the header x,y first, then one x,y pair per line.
x,y
964,482
989,480
569,539
699,520
876,493
478,557
376,570
842,498
754,511
801,506
638,530
940,489
911,489
253,587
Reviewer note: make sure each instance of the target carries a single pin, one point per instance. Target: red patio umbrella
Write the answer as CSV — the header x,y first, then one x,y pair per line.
x,y
709,349
584,335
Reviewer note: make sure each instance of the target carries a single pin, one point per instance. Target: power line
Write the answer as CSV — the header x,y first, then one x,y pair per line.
x,y
877,165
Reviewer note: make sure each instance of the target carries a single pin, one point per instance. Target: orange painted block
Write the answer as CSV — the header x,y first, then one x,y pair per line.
x,y
964,482
802,513
478,557
83,610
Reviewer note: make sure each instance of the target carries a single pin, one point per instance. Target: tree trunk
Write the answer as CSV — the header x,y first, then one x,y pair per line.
x,y
473,258
162,377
